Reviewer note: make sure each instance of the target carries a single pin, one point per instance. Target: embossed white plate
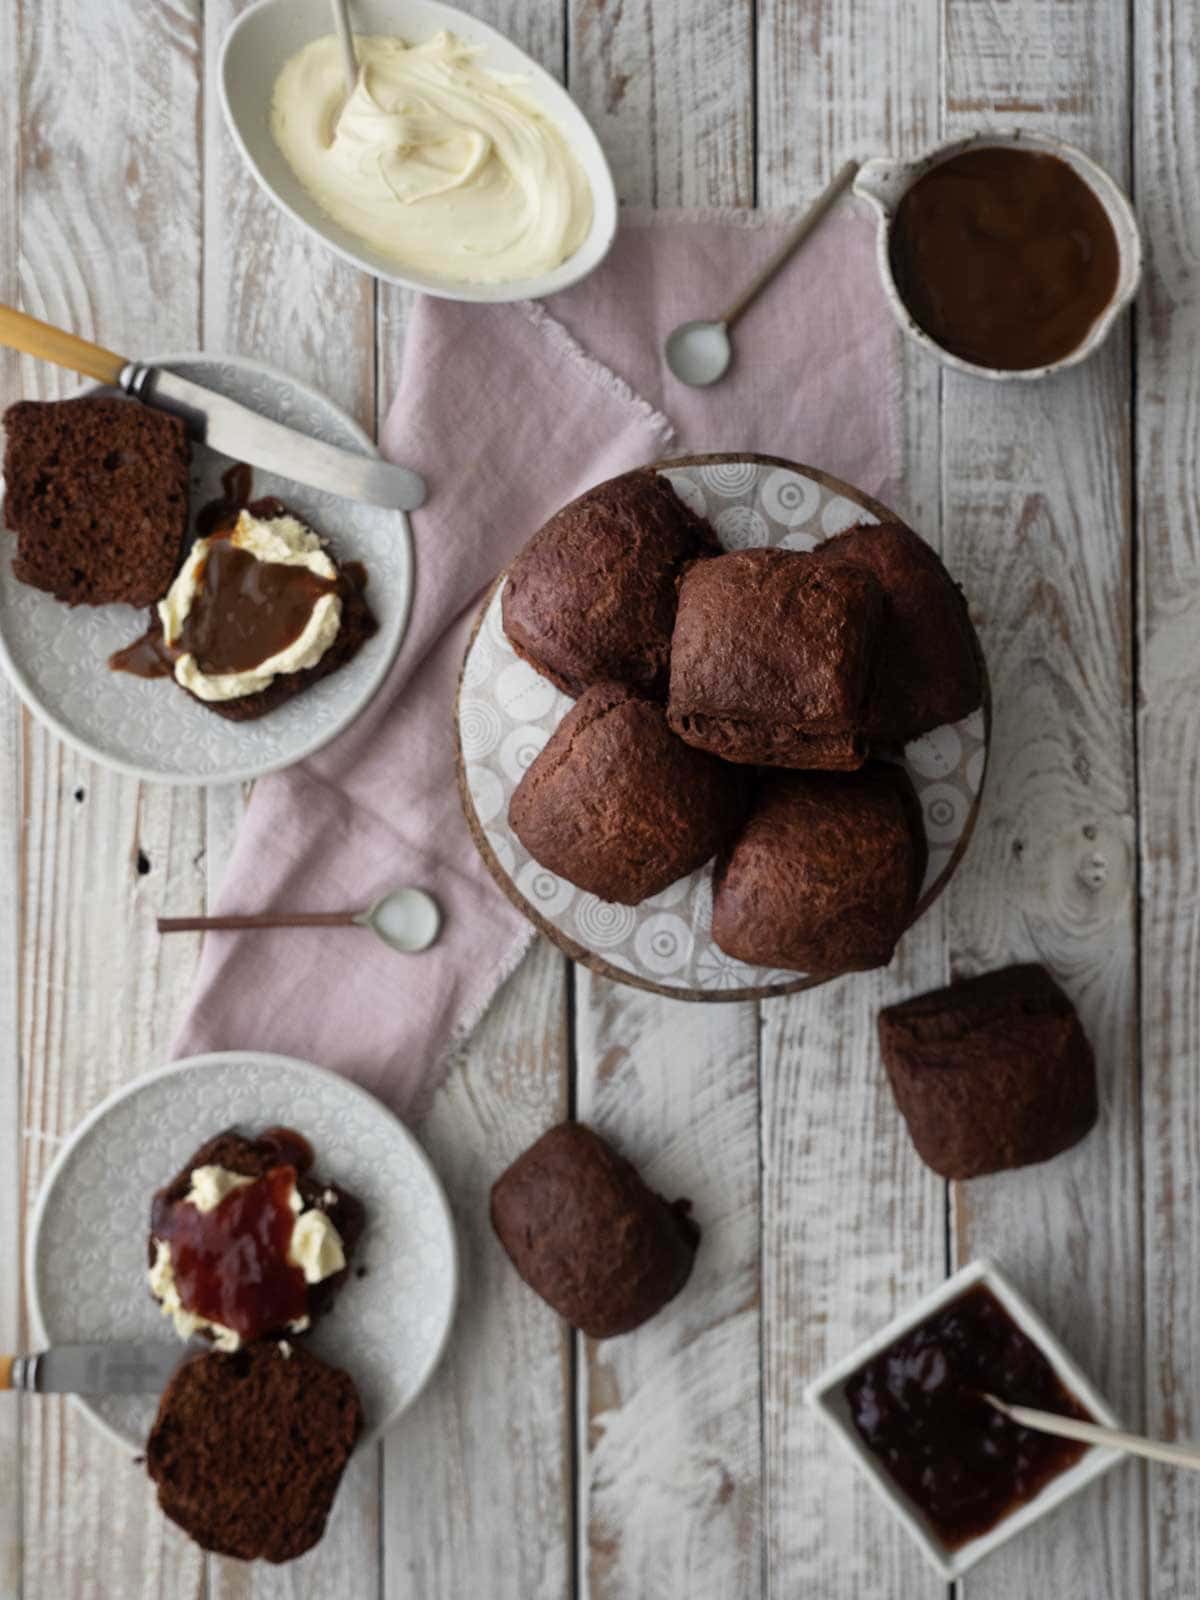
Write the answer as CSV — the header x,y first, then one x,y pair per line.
x,y
506,712
86,1262
57,656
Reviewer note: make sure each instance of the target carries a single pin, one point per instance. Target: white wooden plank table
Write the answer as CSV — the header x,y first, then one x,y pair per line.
x,y
679,1461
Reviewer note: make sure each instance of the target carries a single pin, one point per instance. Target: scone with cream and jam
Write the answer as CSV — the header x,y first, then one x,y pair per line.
x,y
246,1244
258,611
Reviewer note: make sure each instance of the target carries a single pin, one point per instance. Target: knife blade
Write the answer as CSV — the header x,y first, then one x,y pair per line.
x,y
233,429
110,1368
236,431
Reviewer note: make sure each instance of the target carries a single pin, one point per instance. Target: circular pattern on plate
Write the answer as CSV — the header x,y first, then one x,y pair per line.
x,y
665,944
87,1247
58,658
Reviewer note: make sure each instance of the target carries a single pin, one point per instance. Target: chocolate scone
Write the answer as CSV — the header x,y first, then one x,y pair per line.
x,y
250,609
230,1266
773,659
824,877
96,491
588,1235
591,597
248,1449
990,1073
619,806
929,668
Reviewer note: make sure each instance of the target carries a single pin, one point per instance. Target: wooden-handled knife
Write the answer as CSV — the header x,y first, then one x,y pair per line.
x,y
95,1368
222,423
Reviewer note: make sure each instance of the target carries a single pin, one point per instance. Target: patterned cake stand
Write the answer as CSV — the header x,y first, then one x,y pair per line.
x,y
506,711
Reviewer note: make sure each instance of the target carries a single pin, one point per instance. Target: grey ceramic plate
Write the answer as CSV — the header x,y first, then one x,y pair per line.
x,y
57,657
86,1266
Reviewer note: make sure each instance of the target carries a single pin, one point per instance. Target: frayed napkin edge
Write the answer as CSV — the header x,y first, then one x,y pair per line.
x,y
601,376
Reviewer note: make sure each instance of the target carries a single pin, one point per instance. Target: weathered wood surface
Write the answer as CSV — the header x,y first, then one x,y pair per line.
x,y
269,291
1035,495
106,188
11,1197
669,1446
1166,88
681,1460
487,1453
834,1268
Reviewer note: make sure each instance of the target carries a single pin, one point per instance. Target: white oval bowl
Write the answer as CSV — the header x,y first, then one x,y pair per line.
x,y
884,183
271,31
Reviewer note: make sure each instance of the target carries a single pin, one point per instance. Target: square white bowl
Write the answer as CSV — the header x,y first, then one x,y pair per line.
x,y
827,1395
269,32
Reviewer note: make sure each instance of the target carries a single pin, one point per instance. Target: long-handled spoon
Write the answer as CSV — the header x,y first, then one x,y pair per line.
x,y
1177,1455
341,23
700,352
406,919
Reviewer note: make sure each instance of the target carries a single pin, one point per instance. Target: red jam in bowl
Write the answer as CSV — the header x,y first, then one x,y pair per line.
x,y
917,1406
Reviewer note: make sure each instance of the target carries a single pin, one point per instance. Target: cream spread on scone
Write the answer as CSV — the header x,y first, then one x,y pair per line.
x,y
434,161
315,1247
283,541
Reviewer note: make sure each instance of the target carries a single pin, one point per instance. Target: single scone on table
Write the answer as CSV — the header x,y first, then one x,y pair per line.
x,y
589,1235
992,1072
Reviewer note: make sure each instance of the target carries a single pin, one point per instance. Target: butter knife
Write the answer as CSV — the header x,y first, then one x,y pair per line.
x,y
95,1368
219,422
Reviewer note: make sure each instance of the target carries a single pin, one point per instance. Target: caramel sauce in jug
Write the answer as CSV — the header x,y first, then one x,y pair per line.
x,y
1004,257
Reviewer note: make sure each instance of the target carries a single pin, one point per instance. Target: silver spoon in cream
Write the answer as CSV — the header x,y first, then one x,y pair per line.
x,y
407,920
699,353
341,23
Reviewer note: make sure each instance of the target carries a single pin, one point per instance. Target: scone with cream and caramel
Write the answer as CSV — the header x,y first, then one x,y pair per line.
x,y
258,612
246,1244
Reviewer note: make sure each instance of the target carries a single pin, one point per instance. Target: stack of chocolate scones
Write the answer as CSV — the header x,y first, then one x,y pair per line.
x,y
748,705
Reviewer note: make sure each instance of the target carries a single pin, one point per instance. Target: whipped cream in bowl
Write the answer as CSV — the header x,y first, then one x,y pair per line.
x,y
433,161
457,165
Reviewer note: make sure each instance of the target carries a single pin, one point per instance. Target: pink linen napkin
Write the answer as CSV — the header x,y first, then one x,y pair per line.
x,y
509,411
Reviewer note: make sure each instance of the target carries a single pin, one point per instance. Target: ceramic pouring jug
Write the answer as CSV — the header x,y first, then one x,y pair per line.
x,y
883,182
